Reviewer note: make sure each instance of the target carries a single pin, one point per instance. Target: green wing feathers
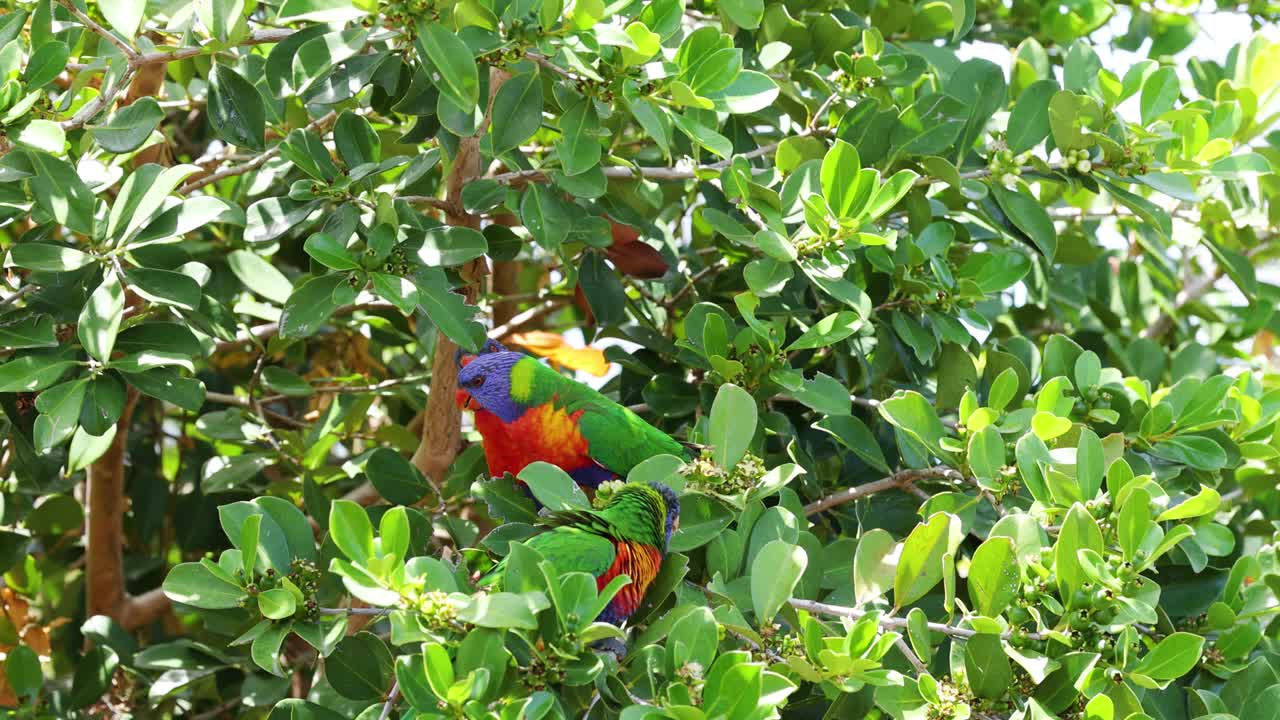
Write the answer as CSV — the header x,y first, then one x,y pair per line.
x,y
569,549
575,550
617,438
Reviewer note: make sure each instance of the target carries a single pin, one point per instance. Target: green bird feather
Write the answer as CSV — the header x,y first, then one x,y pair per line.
x,y
526,412
629,536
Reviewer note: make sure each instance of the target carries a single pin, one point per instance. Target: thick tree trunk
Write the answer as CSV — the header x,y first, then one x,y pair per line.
x,y
441,429
104,537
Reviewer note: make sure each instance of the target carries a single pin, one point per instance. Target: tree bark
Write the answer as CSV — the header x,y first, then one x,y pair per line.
x,y
441,427
104,537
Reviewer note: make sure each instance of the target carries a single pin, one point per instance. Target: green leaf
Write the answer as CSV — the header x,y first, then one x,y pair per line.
x,y
100,318
1134,523
328,251
732,426
309,306
1090,464
829,330
47,257
439,667
774,575
914,415
504,610
579,147
840,169
164,287
888,194
1029,119
987,667
1159,93
855,435
986,453
59,408
277,604
446,246
517,111
351,530
124,15
1174,656
448,310
920,564
603,289
195,585
963,13
46,63
30,373
1204,503
394,477
993,576
1196,451
1048,426
236,111
59,191
1029,216
167,385
129,127
259,275
356,140
23,671
553,487
744,13
361,667
874,565
1079,532
459,78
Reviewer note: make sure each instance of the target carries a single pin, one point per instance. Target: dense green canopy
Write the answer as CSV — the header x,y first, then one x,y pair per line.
x,y
964,300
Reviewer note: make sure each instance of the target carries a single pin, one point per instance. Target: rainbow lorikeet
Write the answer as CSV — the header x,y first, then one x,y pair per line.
x,y
526,412
629,536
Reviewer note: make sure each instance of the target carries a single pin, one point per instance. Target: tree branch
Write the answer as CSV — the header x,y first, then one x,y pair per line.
x,y
903,480
104,537
442,421
257,162
1192,292
102,32
893,623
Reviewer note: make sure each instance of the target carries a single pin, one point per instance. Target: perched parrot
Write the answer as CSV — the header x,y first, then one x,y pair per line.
x,y
526,412
629,536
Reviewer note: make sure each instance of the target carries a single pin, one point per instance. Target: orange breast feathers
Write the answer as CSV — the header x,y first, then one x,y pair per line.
x,y
543,433
637,561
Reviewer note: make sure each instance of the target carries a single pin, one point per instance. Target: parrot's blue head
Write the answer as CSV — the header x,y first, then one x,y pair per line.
x,y
484,383
672,504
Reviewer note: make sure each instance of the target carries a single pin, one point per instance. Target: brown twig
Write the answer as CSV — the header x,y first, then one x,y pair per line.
x,y
255,163
1192,292
102,32
893,623
520,319
902,480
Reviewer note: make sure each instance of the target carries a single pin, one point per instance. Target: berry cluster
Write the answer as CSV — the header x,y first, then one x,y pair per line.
x,y
1078,160
437,614
1005,167
704,473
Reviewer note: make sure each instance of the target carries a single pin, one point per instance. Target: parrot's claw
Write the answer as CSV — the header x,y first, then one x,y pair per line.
x,y
611,646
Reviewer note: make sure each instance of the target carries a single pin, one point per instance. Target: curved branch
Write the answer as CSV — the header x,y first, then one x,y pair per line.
x,y
902,480
893,623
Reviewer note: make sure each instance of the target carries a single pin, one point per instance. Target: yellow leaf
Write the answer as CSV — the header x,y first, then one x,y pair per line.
x,y
560,353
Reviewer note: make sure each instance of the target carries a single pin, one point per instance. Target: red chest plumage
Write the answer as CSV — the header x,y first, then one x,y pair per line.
x,y
543,433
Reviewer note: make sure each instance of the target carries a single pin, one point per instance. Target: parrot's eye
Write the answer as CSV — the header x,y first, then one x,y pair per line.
x,y
476,382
